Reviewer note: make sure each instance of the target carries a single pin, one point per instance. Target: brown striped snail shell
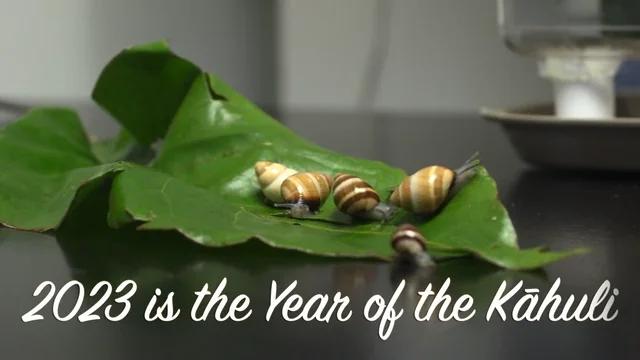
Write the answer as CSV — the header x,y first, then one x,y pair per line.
x,y
270,177
356,197
305,193
426,190
411,245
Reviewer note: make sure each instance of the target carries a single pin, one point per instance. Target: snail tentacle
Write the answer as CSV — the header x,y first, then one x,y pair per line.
x,y
467,167
473,158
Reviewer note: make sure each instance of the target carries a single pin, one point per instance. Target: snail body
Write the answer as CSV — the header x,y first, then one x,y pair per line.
x,y
427,189
305,193
270,176
357,198
411,245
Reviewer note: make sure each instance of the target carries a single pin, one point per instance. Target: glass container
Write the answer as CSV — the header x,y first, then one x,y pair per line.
x,y
579,46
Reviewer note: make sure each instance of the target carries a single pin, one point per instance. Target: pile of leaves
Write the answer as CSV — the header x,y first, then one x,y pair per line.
x,y
201,182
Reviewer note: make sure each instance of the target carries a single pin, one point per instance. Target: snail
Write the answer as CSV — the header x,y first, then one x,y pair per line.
x,y
357,198
426,190
411,246
304,193
270,177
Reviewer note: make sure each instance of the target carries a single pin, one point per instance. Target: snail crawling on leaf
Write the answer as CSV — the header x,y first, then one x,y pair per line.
x,y
270,176
426,190
355,197
304,193
411,246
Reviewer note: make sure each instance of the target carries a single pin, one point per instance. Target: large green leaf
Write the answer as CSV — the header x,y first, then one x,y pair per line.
x,y
45,158
163,202
203,185
143,87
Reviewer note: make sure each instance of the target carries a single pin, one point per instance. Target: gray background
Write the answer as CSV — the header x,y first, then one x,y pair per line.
x,y
297,55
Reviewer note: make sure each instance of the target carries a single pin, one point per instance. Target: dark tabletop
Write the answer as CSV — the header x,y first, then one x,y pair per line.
x,y
558,209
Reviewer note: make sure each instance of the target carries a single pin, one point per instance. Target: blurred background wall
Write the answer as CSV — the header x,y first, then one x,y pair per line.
x,y
53,51
442,56
298,55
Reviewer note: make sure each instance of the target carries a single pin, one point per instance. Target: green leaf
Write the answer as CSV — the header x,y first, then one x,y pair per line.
x,y
46,158
202,182
123,147
115,149
163,202
142,87
203,185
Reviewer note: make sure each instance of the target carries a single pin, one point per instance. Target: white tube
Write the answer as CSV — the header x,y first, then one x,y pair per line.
x,y
583,80
585,100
